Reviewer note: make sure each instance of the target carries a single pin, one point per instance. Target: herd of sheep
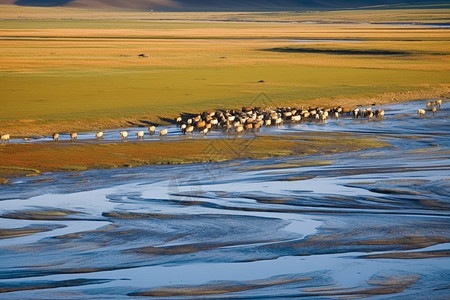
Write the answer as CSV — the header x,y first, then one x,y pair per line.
x,y
252,119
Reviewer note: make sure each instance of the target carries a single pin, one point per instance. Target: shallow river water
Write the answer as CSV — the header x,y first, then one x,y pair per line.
x,y
369,223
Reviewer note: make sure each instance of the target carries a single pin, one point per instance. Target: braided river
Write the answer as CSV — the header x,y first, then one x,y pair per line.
x,y
373,223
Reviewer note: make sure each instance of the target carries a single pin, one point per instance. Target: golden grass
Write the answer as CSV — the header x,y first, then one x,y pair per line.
x,y
438,15
67,156
76,70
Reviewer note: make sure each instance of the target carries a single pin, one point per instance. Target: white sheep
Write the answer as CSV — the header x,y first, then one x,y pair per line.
x,y
163,132
140,135
123,135
5,138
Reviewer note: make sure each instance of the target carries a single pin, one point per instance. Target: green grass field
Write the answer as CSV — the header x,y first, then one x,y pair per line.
x,y
161,92
74,70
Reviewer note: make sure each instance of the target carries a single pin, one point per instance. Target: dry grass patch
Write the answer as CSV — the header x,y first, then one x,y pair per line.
x,y
67,156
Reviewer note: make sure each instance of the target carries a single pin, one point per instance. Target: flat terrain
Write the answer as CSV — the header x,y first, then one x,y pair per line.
x,y
73,70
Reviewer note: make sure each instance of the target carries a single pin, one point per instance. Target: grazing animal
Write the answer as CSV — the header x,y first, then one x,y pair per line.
x,y
366,113
205,131
152,130
99,135
434,110
189,129
239,129
163,132
434,103
55,136
296,118
123,135
179,120
200,125
183,128
421,112
5,138
379,113
278,121
140,135
73,136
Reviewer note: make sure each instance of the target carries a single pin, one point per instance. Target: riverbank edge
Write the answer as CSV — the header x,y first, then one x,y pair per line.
x,y
38,127
24,160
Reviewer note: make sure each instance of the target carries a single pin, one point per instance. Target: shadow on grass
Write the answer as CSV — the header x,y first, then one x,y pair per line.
x,y
141,123
43,3
168,120
338,51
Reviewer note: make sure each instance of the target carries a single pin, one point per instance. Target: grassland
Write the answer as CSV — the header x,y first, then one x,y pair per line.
x,y
74,70
64,70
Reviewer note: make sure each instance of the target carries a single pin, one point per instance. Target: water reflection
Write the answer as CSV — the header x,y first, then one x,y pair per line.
x,y
344,225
